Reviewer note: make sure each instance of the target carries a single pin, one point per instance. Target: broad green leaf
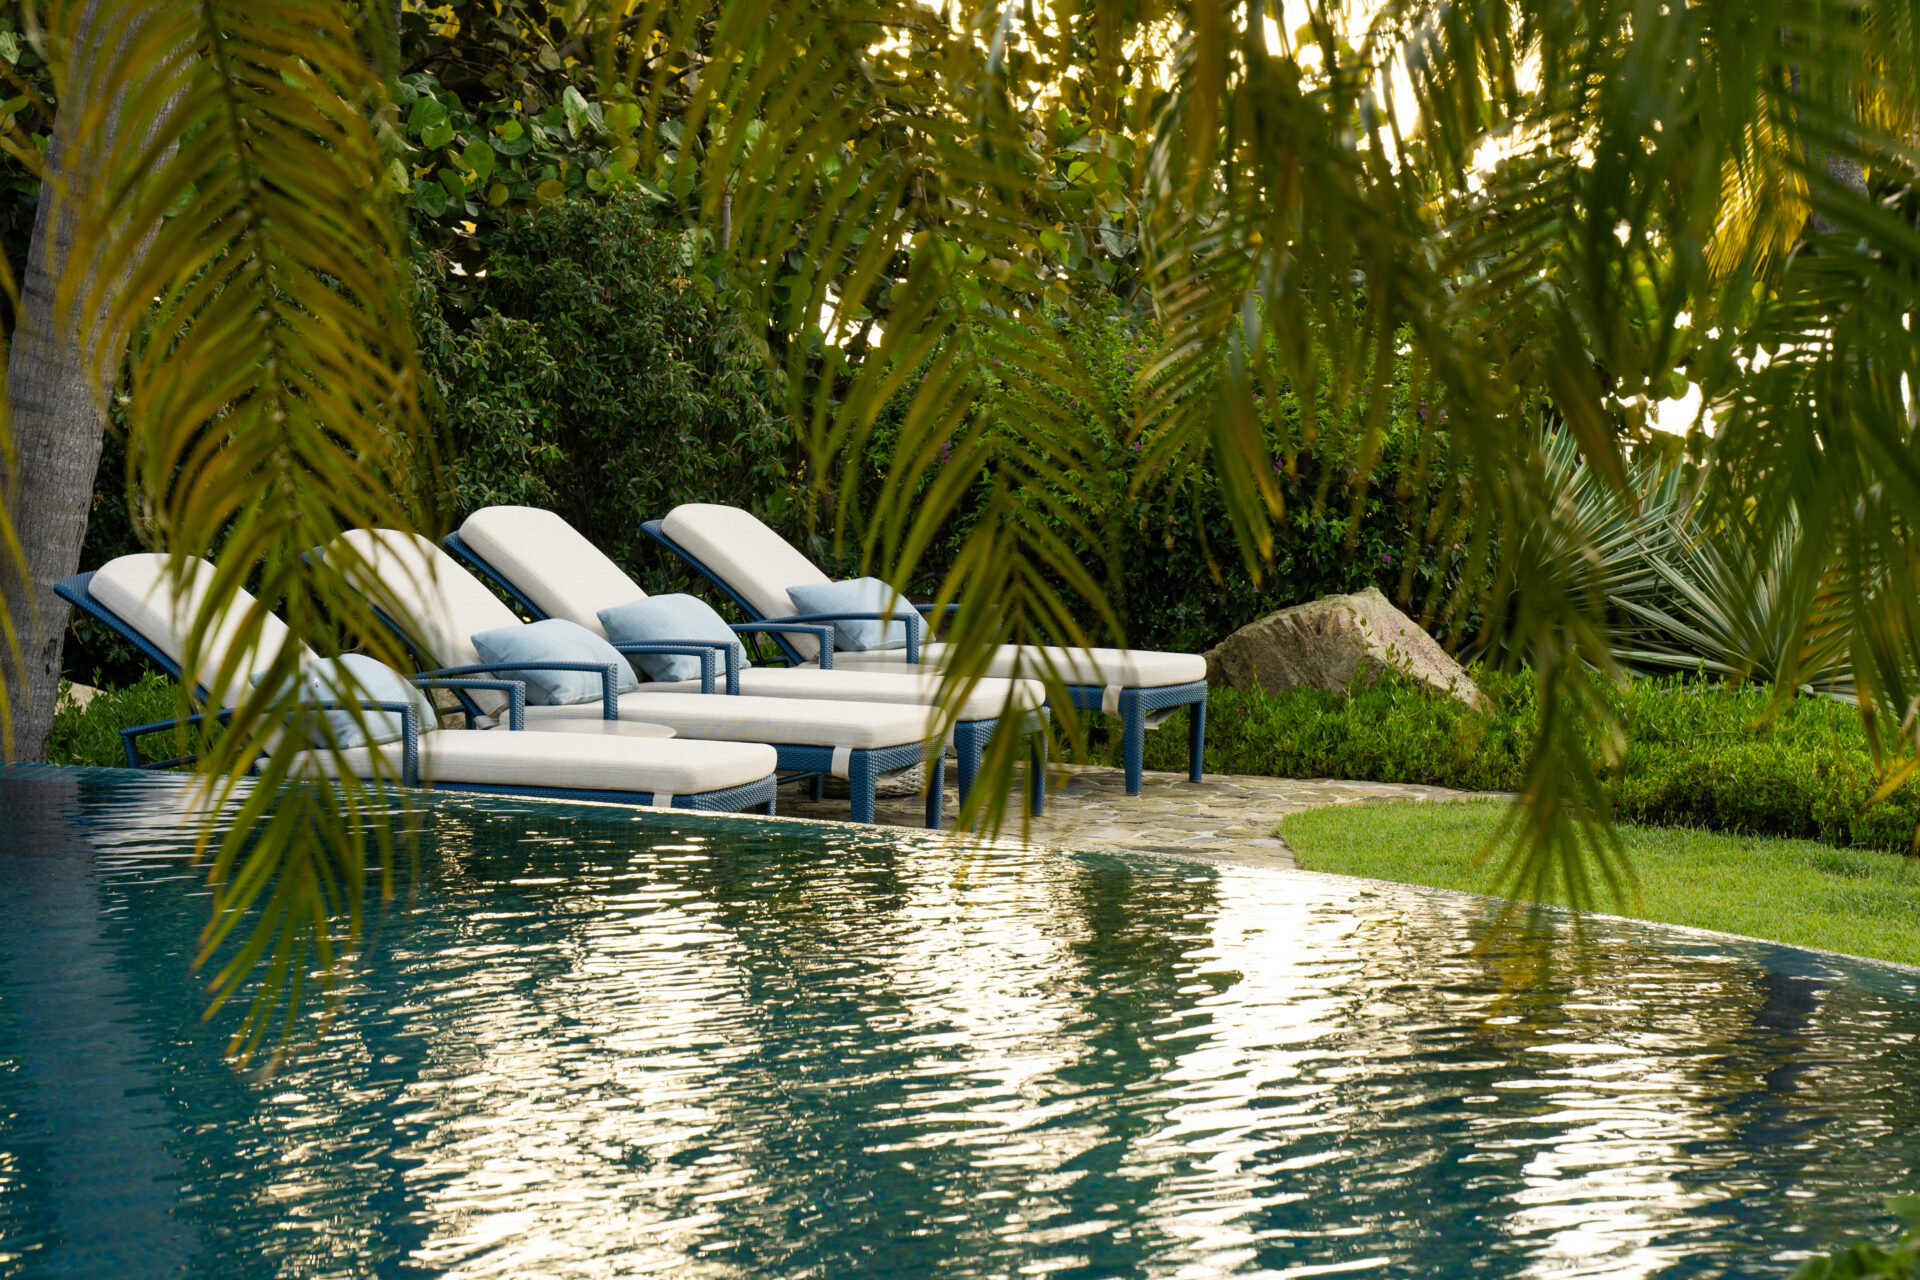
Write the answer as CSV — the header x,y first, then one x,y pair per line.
x,y
479,158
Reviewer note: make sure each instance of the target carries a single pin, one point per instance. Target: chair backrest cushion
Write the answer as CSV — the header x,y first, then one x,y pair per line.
x,y
440,605
663,620
141,591
550,562
554,640
750,558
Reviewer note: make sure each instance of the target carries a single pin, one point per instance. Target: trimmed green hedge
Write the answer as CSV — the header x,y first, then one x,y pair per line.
x,y
1695,755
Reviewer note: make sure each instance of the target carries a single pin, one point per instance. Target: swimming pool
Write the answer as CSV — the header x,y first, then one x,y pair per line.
x,y
598,1044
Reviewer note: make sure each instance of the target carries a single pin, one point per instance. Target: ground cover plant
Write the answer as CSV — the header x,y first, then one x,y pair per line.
x,y
1862,902
1697,754
89,734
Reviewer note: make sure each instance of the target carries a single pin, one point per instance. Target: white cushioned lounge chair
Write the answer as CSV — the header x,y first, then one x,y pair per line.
x,y
137,597
756,566
553,571
443,606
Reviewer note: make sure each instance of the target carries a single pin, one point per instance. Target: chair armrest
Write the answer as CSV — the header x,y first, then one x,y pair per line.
x,y
609,677
823,634
915,624
130,738
409,731
409,734
516,696
710,652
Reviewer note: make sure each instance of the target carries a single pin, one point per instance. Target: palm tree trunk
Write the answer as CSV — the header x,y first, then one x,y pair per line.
x,y
58,413
57,389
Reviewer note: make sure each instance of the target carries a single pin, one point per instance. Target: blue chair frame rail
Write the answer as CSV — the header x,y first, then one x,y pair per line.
x,y
1134,705
797,761
969,736
77,592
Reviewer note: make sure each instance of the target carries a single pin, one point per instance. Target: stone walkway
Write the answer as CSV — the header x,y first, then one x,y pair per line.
x,y
1218,819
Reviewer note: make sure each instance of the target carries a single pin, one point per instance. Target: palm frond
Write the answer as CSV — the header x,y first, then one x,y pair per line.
x,y
246,268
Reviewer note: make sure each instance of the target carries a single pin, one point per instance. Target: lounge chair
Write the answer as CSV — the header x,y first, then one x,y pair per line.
x,y
442,606
137,597
553,571
755,566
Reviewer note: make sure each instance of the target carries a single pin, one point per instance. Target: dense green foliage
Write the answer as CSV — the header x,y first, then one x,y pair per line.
x,y
90,734
1181,584
1698,755
593,371
1857,901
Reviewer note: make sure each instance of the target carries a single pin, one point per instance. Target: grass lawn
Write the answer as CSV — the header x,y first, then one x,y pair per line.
x,y
1861,902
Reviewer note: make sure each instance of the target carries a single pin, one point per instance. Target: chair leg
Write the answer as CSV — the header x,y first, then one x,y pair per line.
x,y
936,788
819,787
969,738
1133,737
1038,761
861,779
1196,739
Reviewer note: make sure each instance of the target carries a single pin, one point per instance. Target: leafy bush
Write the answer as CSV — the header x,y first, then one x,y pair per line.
x,y
1338,534
593,370
1696,755
90,735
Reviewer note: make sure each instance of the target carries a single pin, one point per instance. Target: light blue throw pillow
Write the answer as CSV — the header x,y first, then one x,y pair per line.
x,y
554,640
857,595
663,620
354,677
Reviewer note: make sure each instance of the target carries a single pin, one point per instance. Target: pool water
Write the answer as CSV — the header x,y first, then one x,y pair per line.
x,y
596,1043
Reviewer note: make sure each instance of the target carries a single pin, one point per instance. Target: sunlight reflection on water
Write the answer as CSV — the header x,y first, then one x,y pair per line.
x,y
601,1044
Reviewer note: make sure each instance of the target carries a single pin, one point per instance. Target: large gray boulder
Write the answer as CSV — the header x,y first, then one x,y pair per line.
x,y
1323,644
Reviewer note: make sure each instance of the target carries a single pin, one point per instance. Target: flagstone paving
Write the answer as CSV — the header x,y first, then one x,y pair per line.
x,y
1228,818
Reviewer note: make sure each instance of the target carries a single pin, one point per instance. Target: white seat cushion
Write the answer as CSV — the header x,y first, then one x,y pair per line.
x,y
432,596
550,562
788,721
749,557
984,703
1121,668
496,757
141,591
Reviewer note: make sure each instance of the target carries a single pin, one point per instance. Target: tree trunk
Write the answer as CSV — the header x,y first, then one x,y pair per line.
x,y
59,422
57,388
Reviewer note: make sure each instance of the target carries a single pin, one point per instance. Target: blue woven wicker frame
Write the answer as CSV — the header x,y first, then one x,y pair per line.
x,y
969,736
77,591
1135,704
864,768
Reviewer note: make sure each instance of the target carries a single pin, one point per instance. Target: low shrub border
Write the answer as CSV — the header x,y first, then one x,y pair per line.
x,y
90,734
1697,755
